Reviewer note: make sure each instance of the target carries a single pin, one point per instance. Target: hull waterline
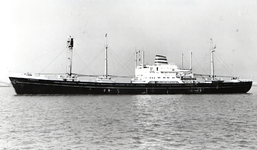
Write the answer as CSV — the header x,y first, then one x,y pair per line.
x,y
44,86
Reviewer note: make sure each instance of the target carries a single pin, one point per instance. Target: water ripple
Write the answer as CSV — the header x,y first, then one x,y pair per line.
x,y
128,122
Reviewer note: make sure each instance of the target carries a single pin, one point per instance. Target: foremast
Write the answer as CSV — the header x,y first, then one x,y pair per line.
x,y
69,55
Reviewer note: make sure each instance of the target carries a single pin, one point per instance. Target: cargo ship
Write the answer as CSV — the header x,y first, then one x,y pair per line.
x,y
161,77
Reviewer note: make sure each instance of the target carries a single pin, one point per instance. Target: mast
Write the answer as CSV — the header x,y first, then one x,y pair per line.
x,y
139,57
106,58
143,58
212,59
69,55
191,54
182,61
135,57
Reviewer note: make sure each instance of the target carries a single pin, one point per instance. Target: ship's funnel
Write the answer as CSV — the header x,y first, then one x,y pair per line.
x,y
159,59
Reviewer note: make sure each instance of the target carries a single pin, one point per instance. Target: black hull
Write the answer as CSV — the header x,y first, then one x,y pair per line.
x,y
41,86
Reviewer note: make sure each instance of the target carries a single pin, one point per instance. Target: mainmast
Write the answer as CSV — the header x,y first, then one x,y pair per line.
x,y
212,59
106,58
105,77
69,55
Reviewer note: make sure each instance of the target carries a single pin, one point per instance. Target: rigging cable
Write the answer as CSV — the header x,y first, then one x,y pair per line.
x,y
53,60
124,65
128,63
76,55
225,66
118,60
92,60
203,60
31,61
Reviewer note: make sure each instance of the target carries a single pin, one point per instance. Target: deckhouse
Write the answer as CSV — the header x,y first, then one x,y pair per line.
x,y
162,72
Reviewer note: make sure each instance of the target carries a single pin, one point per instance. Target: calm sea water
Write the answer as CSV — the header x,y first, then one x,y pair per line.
x,y
225,121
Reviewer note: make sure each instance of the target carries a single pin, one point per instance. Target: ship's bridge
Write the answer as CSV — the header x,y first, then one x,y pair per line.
x,y
161,72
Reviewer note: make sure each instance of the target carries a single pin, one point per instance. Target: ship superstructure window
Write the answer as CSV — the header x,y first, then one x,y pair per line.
x,y
160,71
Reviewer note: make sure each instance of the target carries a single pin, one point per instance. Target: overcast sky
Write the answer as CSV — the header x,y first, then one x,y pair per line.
x,y
34,34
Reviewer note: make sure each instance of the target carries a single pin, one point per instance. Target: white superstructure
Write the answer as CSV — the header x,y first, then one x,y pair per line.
x,y
162,72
